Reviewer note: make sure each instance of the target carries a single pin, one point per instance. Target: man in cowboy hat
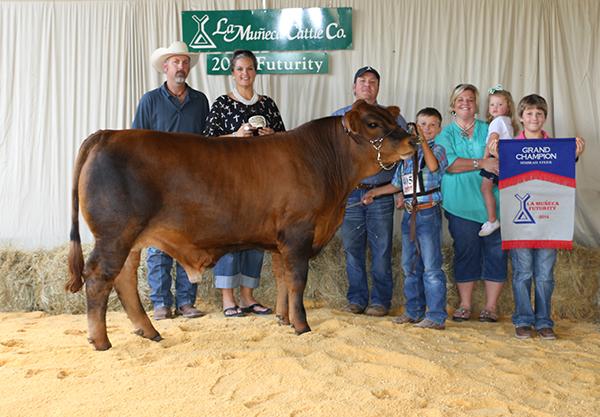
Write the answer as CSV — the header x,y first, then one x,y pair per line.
x,y
173,107
370,225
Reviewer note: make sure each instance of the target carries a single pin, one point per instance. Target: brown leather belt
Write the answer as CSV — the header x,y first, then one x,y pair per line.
x,y
362,186
409,207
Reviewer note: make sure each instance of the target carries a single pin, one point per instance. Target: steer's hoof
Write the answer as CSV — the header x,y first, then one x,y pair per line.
x,y
156,338
302,330
100,345
282,321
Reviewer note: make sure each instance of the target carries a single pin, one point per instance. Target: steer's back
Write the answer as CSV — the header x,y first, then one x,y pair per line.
x,y
214,191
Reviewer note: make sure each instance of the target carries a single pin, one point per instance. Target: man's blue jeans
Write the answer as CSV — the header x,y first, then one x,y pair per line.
x,y
159,278
370,225
424,279
533,265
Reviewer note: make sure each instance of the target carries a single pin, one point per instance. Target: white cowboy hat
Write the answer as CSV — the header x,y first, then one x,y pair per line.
x,y
177,48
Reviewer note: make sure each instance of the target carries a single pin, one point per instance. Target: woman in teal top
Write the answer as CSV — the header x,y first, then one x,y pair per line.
x,y
475,258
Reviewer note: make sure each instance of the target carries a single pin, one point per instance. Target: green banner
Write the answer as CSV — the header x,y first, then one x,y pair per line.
x,y
268,29
274,63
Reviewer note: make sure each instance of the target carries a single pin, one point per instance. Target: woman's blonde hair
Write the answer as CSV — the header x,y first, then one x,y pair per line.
x,y
461,88
511,107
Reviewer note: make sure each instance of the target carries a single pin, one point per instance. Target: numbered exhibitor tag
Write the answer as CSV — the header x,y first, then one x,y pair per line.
x,y
407,184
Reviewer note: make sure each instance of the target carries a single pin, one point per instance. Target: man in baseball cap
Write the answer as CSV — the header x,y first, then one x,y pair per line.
x,y
377,233
172,107
364,70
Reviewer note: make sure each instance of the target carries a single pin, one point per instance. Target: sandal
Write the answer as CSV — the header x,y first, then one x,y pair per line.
x,y
488,316
234,311
257,308
461,314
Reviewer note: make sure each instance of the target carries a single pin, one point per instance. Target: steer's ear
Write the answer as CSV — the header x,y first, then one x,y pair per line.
x,y
352,121
395,110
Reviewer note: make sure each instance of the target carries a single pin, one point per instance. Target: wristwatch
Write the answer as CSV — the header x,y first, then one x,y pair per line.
x,y
475,163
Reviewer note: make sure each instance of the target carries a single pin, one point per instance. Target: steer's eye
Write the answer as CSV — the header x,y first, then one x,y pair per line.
x,y
372,125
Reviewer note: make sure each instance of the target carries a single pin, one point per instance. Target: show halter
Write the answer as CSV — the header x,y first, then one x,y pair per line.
x,y
376,143
415,201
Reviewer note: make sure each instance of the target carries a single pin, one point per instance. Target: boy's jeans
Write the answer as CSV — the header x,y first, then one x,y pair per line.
x,y
372,225
528,265
424,279
159,279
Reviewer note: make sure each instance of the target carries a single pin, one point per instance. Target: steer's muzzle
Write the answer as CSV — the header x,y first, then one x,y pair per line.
x,y
401,134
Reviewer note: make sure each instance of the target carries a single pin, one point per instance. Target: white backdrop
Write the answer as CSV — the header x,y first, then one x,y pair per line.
x,y
70,68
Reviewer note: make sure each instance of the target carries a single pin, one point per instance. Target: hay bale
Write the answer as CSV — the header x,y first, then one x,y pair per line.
x,y
17,283
35,281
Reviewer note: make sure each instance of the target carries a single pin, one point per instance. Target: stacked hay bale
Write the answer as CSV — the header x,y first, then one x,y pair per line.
x,y
35,281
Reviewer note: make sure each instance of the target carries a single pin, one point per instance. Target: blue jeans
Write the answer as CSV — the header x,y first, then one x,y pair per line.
x,y
239,268
475,257
536,264
159,278
370,225
424,279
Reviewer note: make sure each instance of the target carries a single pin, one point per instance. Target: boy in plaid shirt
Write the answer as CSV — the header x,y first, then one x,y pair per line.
x,y
424,279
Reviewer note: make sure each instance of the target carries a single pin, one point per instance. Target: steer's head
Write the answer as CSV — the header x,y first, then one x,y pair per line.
x,y
377,125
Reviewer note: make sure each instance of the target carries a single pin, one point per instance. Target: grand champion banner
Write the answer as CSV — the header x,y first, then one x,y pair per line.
x,y
537,193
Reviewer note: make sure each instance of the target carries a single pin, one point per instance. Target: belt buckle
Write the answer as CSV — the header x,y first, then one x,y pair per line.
x,y
408,206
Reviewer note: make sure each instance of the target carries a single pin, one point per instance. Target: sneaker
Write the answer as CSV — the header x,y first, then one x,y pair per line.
x,y
489,227
546,333
523,332
354,308
404,319
430,324
162,313
376,310
189,311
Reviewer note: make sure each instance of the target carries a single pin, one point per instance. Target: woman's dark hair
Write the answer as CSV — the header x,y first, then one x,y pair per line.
x,y
243,53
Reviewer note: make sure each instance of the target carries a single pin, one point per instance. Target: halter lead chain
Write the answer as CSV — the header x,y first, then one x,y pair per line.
x,y
377,143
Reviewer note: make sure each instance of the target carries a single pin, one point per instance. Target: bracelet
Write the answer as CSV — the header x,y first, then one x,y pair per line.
x,y
476,163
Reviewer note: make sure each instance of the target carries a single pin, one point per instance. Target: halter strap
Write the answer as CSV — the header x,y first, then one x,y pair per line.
x,y
376,143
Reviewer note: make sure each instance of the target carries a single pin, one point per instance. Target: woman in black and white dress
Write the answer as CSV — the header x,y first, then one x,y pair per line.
x,y
230,116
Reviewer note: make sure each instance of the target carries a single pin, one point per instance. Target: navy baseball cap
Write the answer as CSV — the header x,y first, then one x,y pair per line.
x,y
364,70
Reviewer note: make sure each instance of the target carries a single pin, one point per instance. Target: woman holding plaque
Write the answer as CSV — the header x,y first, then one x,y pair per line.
x,y
242,112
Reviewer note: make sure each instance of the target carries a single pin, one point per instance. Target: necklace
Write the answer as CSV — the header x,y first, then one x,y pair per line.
x,y
464,131
242,100
179,96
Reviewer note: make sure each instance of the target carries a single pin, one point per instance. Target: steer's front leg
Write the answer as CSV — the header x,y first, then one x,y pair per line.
x,y
281,309
296,248
296,274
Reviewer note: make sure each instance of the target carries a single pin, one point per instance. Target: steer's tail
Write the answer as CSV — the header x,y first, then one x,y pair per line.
x,y
76,262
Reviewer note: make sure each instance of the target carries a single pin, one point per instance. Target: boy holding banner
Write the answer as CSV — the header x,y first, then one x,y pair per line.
x,y
544,173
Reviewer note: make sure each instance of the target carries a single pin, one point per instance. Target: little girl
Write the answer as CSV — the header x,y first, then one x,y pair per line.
x,y
501,117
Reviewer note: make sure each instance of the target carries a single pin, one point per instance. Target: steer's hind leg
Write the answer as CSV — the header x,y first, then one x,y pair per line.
x,y
282,309
98,285
126,287
103,265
